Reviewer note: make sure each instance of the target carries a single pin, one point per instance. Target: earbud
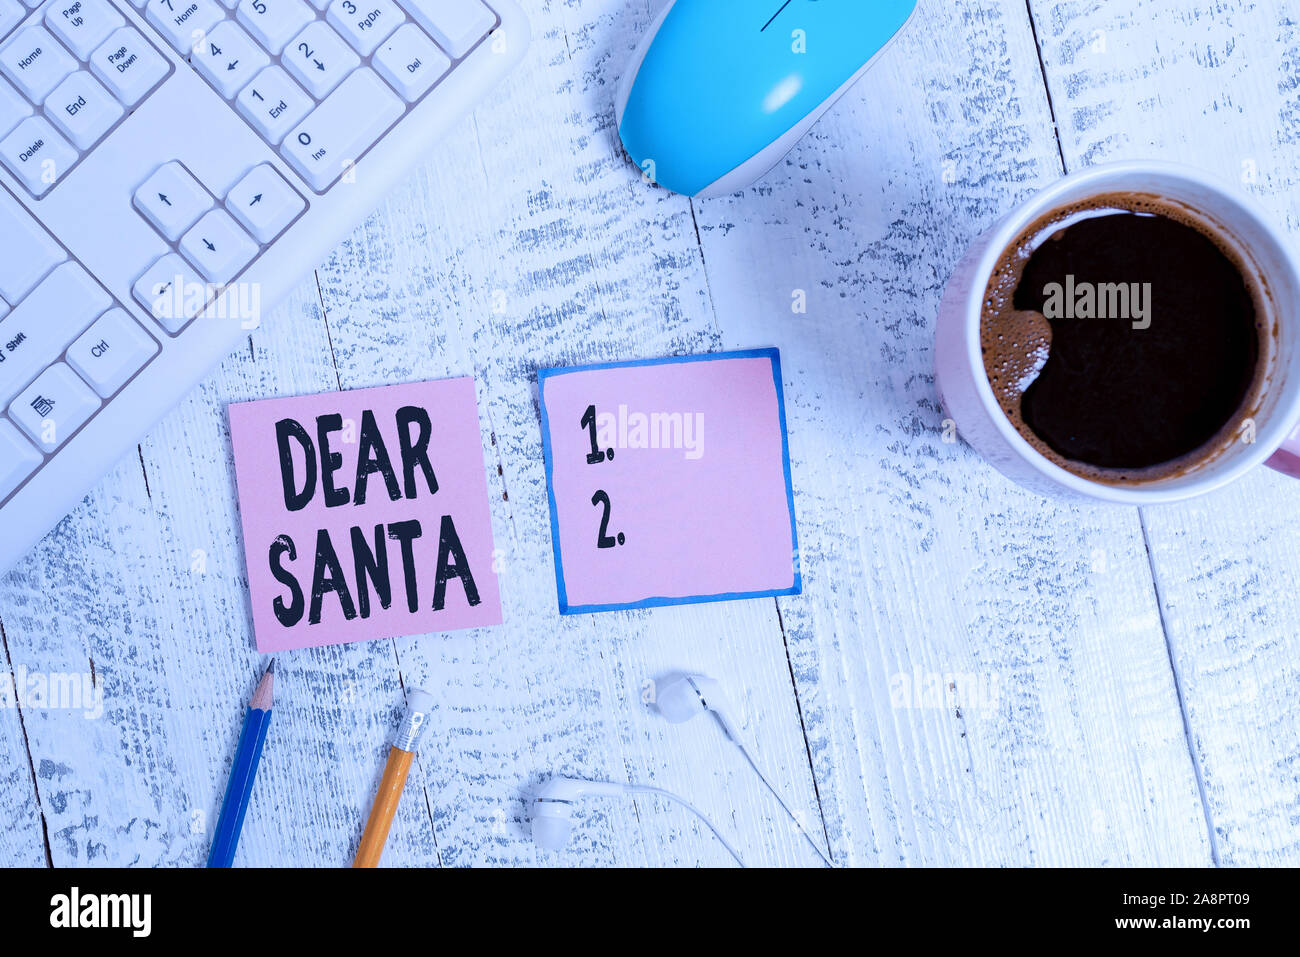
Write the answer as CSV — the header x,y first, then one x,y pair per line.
x,y
682,697
553,808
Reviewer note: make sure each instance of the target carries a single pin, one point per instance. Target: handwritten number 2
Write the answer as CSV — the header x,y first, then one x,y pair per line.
x,y
603,540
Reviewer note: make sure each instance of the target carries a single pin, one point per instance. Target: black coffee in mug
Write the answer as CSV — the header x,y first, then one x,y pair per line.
x,y
1124,338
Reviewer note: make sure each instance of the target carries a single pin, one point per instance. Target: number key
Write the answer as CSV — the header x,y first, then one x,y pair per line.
x,y
364,23
228,59
274,104
184,22
410,62
273,23
319,59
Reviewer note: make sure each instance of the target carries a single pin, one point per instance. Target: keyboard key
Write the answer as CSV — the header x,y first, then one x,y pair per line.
x,y
82,109
42,325
410,62
53,407
82,25
342,128
217,247
27,253
11,14
364,23
13,108
228,59
172,200
273,23
172,292
128,66
33,4
17,458
319,60
456,24
35,62
185,23
111,351
36,154
274,104
264,203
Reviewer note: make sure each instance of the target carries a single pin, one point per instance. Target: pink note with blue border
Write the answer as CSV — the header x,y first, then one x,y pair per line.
x,y
669,481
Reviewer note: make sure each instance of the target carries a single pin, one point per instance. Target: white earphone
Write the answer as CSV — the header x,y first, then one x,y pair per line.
x,y
553,809
684,696
679,699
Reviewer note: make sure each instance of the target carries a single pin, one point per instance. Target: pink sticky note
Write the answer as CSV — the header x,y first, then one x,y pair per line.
x,y
669,481
399,546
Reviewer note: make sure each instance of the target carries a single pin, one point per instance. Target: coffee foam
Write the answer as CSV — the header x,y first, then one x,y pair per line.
x,y
1015,344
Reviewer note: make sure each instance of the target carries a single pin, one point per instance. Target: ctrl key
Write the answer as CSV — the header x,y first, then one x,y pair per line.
x,y
53,407
111,351
17,459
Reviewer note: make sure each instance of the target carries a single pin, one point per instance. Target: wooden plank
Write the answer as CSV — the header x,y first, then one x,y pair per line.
x,y
1046,729
1212,84
21,841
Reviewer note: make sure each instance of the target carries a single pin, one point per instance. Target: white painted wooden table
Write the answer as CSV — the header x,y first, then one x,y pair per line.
x,y
1098,686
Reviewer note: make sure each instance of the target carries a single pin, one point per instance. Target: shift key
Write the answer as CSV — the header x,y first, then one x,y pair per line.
x,y
44,324
347,124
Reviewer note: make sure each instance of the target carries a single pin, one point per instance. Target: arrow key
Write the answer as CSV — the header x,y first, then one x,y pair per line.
x,y
228,59
172,200
217,247
264,203
172,292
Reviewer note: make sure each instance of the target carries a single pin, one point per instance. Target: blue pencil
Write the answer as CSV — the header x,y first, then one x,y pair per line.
x,y
242,774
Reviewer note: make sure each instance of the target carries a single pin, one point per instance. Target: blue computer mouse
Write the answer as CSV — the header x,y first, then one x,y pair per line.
x,y
721,90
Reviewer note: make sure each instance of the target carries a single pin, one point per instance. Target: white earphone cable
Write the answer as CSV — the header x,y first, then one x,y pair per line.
x,y
779,800
660,792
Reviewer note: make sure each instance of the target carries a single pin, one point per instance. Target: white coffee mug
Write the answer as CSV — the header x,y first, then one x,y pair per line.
x,y
968,398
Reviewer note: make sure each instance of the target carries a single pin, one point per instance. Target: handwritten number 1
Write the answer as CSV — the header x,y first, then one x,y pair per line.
x,y
595,456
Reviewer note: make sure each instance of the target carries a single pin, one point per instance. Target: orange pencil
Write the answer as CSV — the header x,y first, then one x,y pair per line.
x,y
418,706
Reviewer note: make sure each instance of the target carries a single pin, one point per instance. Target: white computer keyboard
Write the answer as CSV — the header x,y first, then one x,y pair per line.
x,y
168,172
